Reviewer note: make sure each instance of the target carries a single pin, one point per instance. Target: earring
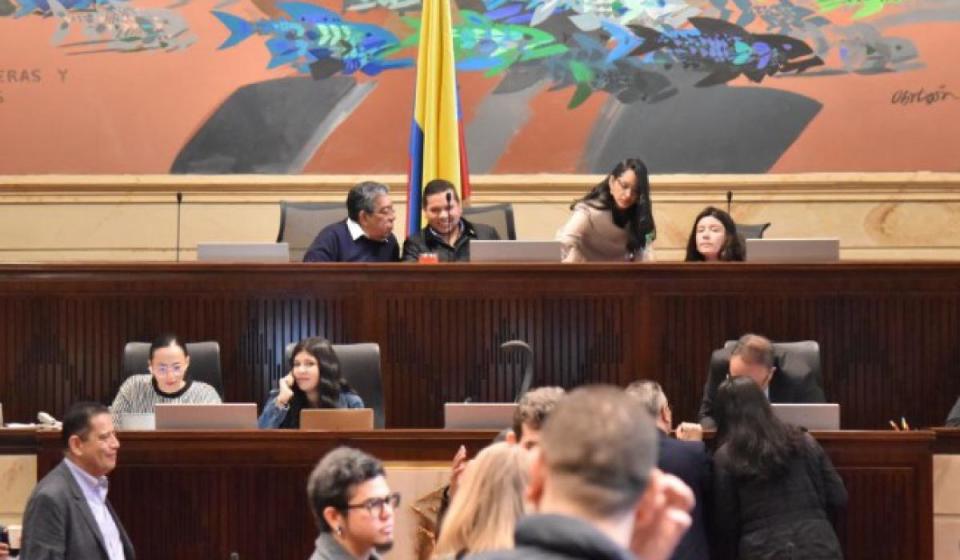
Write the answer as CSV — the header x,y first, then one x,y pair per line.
x,y
339,531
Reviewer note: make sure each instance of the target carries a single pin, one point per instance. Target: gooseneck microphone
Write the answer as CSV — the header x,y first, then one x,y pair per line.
x,y
179,204
729,200
528,370
449,208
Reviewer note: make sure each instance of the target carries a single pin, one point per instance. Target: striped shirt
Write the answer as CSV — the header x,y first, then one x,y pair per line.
x,y
139,394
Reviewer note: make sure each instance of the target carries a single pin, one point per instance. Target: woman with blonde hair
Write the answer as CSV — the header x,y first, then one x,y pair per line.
x,y
484,512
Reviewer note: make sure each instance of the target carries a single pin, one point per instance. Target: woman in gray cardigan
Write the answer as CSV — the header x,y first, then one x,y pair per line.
x,y
166,382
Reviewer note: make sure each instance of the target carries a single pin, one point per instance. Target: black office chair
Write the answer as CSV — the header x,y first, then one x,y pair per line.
x,y
360,367
794,358
752,231
497,216
204,362
300,222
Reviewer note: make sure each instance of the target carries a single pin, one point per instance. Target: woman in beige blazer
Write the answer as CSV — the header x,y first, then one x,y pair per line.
x,y
614,221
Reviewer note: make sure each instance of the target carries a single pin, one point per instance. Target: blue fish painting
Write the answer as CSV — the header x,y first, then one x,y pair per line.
x,y
588,67
316,40
43,7
726,50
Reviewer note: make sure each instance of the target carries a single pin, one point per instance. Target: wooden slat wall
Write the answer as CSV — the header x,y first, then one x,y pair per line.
x,y
888,332
202,495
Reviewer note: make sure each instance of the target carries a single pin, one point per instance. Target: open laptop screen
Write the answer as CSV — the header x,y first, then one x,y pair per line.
x,y
515,251
812,416
225,416
478,416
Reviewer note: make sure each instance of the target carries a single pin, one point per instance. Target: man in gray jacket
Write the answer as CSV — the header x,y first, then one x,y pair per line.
x,y
68,516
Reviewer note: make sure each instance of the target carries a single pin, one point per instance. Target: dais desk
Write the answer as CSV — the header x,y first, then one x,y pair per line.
x,y
202,495
888,331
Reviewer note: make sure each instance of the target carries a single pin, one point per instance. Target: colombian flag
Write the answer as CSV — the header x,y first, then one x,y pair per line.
x,y
437,149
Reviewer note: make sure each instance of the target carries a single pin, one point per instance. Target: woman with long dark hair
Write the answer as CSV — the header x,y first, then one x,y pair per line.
x,y
614,221
775,490
714,238
314,381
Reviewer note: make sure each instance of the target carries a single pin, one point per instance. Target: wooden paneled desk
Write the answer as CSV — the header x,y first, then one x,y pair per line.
x,y
946,495
203,495
888,331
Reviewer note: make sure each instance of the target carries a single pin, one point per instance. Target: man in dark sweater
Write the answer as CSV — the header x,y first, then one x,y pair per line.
x,y
447,234
367,233
688,460
595,487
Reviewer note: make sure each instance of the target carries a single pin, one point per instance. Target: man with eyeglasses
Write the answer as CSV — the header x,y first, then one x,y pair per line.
x,y
353,506
367,233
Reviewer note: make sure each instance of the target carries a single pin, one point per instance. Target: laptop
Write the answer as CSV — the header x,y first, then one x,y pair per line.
x,y
793,250
515,251
337,419
224,416
812,416
243,252
478,416
136,421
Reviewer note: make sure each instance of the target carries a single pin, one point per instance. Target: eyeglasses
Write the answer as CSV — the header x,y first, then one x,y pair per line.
x,y
624,186
164,369
375,505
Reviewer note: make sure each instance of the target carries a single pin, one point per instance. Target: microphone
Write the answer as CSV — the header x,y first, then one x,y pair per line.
x,y
179,204
449,207
729,200
528,370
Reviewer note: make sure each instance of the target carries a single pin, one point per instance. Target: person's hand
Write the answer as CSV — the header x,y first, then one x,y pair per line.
x,y
286,389
456,470
662,517
4,551
690,431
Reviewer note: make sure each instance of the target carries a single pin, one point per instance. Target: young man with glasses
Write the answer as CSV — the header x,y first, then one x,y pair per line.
x,y
353,506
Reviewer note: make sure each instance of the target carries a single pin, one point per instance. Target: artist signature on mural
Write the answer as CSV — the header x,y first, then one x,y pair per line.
x,y
922,96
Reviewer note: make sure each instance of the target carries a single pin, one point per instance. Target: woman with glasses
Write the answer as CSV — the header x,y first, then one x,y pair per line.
x,y
353,506
314,381
614,221
167,381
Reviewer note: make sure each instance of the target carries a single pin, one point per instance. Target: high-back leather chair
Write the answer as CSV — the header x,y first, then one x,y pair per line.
x,y
300,222
752,231
794,358
360,367
497,216
204,361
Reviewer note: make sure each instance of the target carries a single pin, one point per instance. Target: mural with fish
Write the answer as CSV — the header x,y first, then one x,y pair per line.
x,y
558,86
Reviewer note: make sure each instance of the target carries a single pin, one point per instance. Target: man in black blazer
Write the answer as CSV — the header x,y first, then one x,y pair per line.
x,y
789,381
68,516
447,233
687,460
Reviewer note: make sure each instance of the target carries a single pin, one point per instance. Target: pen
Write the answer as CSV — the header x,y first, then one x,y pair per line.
x,y
894,426
903,422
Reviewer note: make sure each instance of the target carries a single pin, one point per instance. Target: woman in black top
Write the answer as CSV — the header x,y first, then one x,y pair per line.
x,y
775,490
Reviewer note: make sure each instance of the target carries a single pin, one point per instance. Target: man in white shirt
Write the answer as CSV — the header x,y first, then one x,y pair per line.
x,y
68,515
